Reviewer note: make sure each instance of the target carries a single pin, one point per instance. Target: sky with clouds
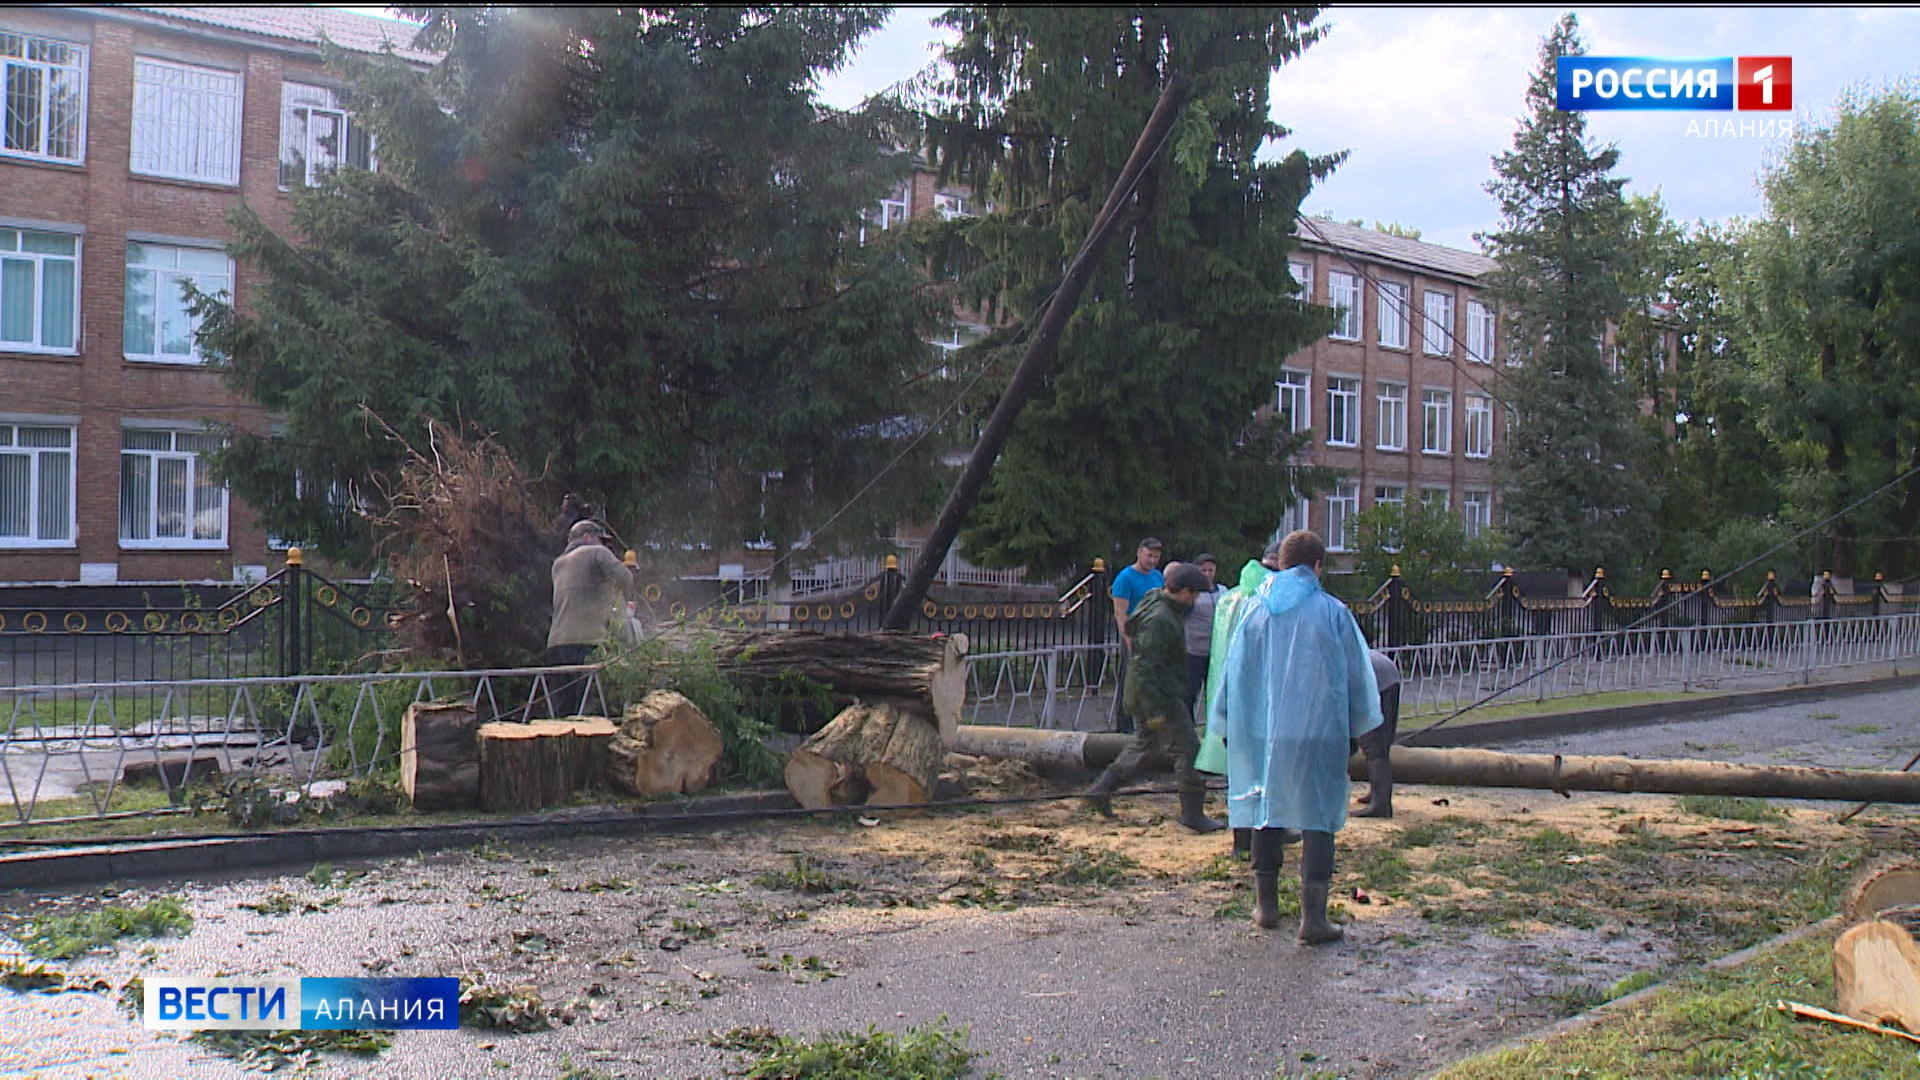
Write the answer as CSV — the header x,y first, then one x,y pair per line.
x,y
1424,97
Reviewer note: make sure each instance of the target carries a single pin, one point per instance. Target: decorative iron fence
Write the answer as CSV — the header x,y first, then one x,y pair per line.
x,y
291,623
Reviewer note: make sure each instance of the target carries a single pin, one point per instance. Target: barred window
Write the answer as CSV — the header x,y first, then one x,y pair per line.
x,y
186,122
45,85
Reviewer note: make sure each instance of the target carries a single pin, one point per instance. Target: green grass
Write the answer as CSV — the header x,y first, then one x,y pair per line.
x,y
929,1052
1103,867
1715,1024
803,875
1448,830
1731,808
1862,729
63,937
1517,704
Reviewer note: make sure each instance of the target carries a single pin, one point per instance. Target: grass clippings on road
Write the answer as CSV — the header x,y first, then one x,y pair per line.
x,y
1717,1024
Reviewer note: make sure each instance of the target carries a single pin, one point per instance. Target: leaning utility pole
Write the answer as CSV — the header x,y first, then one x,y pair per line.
x,y
1053,320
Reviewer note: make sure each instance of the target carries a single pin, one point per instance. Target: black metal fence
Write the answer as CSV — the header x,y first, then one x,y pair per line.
x,y
293,623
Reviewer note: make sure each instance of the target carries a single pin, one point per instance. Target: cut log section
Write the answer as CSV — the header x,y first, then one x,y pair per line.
x,y
882,755
1876,974
916,671
665,746
440,755
536,765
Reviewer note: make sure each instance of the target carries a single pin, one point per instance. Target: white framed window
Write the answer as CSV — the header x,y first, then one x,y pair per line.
x,y
44,82
1436,331
1302,273
1392,430
1479,426
1293,396
156,323
1343,502
1389,494
186,122
1436,498
952,204
891,212
36,485
1343,411
1436,421
1392,315
1294,518
1343,295
39,291
1476,510
317,136
1479,332
167,498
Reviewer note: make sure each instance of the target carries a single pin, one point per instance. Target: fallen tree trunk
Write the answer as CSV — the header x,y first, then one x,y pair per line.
x,y
1876,974
1493,768
440,755
882,755
914,671
665,746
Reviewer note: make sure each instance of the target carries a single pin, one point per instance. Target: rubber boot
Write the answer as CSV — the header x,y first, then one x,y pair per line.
x,y
1379,790
1097,796
1243,844
1314,927
1193,813
1268,853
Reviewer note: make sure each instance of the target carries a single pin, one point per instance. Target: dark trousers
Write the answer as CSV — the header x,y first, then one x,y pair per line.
x,y
1196,678
1172,736
567,655
1376,744
1119,719
1316,853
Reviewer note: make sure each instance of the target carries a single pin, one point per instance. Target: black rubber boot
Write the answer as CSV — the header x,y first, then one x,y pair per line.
x,y
1268,854
1193,813
1097,795
1243,843
1379,789
1314,927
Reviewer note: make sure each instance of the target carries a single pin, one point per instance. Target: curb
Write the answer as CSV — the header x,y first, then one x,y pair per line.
x,y
187,859
1606,1009
1577,721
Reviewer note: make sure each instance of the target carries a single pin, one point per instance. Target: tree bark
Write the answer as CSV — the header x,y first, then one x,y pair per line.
x,y
665,746
533,766
1493,768
440,756
916,671
881,754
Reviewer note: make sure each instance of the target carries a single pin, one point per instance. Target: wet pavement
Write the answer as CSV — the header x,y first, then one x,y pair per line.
x,y
1020,924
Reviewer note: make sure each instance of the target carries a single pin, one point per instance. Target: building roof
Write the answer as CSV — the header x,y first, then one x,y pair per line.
x,y
1411,254
301,24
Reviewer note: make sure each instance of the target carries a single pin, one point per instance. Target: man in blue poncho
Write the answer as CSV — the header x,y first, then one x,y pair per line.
x,y
1297,686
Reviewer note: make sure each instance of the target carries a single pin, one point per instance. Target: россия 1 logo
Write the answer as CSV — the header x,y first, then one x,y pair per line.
x,y
1750,83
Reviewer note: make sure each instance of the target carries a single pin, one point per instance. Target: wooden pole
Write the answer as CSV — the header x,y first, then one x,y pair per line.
x,y
993,439
1492,768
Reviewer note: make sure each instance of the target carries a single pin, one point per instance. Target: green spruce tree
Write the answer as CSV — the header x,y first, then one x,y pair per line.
x,y
1572,470
623,240
1145,423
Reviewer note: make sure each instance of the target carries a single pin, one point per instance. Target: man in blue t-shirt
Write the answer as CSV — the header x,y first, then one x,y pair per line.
x,y
1129,585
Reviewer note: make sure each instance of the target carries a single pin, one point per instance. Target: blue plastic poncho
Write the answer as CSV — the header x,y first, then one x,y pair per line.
x,y
1228,610
1297,686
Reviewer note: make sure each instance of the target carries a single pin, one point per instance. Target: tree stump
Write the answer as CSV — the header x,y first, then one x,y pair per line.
x,y
440,755
530,766
1876,974
587,761
665,746
881,754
